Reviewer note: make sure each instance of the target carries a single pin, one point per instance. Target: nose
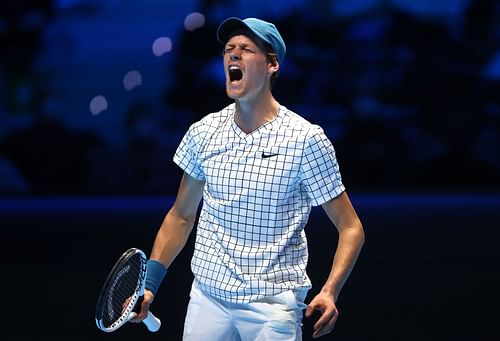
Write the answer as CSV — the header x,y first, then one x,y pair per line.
x,y
234,57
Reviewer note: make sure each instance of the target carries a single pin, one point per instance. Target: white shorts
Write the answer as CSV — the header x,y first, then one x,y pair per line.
x,y
273,318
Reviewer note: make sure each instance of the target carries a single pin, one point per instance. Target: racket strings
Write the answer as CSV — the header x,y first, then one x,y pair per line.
x,y
122,289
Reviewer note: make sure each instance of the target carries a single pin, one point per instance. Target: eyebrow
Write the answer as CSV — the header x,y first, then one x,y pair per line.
x,y
241,45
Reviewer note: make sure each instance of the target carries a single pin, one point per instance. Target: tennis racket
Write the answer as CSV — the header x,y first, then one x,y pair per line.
x,y
122,290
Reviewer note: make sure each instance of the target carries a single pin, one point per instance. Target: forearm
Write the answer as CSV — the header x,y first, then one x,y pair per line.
x,y
171,237
349,246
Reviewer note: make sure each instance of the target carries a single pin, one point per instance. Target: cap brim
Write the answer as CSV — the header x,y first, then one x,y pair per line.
x,y
228,26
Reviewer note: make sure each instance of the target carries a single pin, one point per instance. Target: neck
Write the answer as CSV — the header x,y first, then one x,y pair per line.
x,y
250,115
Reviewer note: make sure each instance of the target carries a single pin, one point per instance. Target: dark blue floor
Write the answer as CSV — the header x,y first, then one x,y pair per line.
x,y
430,269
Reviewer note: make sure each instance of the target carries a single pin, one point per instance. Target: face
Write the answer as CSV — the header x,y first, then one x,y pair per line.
x,y
246,67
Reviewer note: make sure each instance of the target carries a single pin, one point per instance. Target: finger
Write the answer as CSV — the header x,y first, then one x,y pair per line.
x,y
324,331
322,328
146,301
131,315
125,304
134,317
323,319
144,310
310,309
142,313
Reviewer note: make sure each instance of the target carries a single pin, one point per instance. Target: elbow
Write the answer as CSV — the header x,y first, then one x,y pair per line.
x,y
183,219
358,233
354,234
361,234
175,221
362,237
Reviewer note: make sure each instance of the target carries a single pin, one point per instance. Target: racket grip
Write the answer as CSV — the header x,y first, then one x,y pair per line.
x,y
152,322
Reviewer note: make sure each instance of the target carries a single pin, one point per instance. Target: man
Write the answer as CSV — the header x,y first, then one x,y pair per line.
x,y
259,168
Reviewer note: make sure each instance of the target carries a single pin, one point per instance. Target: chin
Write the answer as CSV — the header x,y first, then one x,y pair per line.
x,y
233,94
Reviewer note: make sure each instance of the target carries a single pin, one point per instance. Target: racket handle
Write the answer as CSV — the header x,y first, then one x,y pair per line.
x,y
152,322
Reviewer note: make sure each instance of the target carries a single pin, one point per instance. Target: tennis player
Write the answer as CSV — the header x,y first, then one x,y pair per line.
x,y
259,168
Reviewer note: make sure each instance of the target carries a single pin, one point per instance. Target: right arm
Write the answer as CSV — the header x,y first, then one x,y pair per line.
x,y
175,230
179,221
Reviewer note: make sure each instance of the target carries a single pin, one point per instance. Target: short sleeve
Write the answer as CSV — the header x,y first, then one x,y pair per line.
x,y
186,155
319,169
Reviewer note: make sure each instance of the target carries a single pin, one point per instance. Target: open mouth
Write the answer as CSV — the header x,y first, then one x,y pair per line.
x,y
235,73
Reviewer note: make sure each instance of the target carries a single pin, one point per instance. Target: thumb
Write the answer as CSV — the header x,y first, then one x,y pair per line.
x,y
309,310
142,313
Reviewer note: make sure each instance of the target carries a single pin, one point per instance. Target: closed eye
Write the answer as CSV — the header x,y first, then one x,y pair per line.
x,y
242,47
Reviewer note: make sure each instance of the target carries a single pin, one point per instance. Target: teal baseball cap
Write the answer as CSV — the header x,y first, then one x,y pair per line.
x,y
262,29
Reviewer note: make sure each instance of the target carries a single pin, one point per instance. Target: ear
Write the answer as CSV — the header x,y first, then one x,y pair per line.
x,y
273,66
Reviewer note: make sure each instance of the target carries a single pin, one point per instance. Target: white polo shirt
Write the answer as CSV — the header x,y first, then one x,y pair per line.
x,y
259,189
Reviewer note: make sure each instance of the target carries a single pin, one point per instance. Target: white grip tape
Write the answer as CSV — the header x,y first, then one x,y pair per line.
x,y
152,322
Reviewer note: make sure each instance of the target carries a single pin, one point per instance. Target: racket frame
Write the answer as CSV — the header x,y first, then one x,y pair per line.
x,y
112,277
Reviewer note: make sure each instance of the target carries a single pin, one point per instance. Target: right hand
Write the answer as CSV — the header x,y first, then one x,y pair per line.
x,y
146,302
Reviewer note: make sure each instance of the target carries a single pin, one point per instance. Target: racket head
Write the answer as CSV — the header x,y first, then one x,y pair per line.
x,y
125,283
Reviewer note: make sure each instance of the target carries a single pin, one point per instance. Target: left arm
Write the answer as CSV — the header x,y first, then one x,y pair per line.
x,y
351,239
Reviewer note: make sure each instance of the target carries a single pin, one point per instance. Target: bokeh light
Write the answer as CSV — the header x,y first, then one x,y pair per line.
x,y
161,46
98,104
193,21
132,79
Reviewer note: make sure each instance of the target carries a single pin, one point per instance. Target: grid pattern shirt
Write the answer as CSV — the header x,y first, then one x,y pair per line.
x,y
259,189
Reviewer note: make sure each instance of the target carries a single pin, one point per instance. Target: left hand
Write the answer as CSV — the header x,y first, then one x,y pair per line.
x,y
325,304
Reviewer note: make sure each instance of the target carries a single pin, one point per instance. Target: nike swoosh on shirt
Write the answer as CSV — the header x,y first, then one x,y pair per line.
x,y
265,156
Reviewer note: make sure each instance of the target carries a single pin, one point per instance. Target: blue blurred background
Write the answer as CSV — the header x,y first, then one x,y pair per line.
x,y
96,95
